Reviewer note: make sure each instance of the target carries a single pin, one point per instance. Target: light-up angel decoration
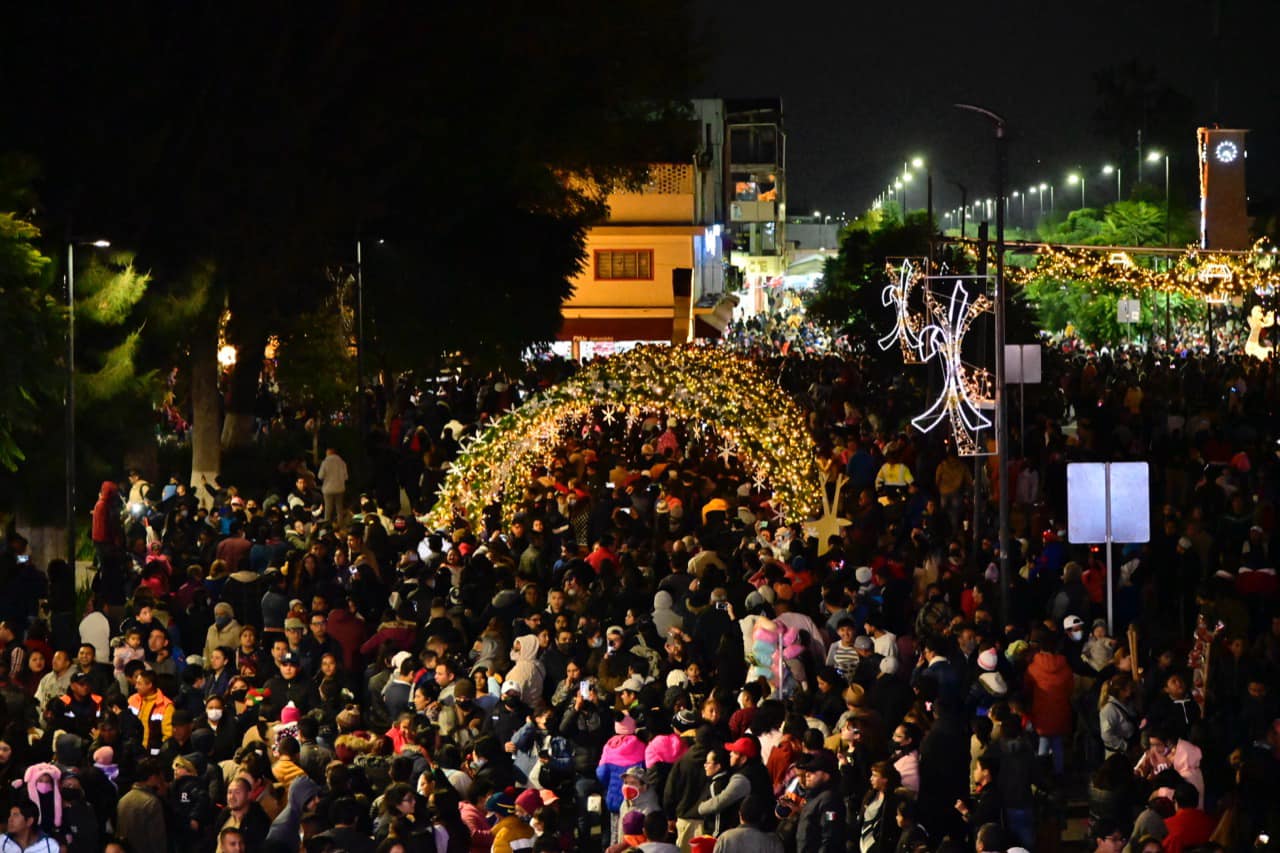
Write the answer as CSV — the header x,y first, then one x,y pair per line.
x,y
958,401
897,295
1259,320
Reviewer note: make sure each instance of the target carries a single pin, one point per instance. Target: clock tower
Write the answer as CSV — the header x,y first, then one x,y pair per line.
x,y
1224,220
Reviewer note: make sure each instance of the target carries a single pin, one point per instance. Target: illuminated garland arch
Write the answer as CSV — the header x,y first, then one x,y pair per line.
x,y
758,423
1195,273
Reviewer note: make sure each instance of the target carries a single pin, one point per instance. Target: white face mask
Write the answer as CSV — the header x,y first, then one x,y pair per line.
x,y
214,714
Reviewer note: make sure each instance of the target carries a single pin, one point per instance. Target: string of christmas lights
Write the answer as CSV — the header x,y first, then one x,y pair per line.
x,y
763,427
1196,273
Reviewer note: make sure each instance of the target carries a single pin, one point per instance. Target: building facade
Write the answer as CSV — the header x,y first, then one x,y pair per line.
x,y
659,268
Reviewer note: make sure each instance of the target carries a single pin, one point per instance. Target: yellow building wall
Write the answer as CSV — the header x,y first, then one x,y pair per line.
x,y
672,247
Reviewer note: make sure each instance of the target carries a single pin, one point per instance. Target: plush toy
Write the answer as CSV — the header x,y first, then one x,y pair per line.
x,y
775,656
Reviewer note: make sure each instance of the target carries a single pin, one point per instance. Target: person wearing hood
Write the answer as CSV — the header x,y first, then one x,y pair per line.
x,y
41,782
622,752
989,687
224,632
283,834
527,672
1049,681
664,615
108,532
1117,717
80,822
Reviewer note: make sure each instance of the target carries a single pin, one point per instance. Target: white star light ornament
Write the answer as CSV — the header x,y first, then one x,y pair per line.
x,y
610,416
957,402
897,295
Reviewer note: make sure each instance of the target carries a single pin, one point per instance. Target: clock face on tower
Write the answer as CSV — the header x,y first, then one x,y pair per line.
x,y
1226,151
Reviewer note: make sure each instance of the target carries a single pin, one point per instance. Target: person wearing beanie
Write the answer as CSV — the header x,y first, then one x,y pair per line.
x,y
510,830
638,796
224,632
621,752
528,802
989,687
889,695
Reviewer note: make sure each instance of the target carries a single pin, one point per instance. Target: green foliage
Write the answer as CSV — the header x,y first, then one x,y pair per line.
x,y
316,362
31,319
1087,309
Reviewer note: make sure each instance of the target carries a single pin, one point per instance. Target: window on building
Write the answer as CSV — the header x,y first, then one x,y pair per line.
x,y
624,264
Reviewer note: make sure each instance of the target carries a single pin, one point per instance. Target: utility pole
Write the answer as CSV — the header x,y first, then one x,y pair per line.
x,y
1002,414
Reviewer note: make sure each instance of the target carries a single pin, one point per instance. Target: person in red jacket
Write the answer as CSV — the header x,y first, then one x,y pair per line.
x,y
1049,681
108,532
1189,826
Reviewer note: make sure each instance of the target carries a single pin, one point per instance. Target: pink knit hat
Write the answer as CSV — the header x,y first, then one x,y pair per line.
x,y
988,659
625,726
290,714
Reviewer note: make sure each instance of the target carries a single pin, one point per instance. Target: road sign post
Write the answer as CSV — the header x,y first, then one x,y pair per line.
x,y
1108,502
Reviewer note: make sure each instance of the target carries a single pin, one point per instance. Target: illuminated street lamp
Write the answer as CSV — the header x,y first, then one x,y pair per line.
x,y
1107,170
1076,178
1156,157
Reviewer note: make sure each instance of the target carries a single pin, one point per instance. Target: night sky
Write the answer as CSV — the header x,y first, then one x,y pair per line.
x,y
866,84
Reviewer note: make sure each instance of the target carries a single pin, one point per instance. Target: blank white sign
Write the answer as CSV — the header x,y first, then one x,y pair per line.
x,y
1087,502
1130,502
1022,364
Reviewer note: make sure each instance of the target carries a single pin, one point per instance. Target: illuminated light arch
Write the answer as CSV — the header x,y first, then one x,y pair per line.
x,y
961,395
757,422
897,295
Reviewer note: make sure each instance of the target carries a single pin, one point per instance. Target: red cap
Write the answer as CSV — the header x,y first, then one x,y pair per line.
x,y
743,746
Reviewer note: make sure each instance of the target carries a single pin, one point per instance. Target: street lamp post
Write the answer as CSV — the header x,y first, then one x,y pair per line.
x,y
1155,157
1107,170
1002,415
70,456
1076,178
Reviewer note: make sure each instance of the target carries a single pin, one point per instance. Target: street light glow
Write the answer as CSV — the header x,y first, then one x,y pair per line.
x,y
906,176
1073,179
917,162
1044,187
101,244
1108,169
1154,156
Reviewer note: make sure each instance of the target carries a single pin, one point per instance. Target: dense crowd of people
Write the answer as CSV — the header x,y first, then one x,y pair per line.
x,y
640,655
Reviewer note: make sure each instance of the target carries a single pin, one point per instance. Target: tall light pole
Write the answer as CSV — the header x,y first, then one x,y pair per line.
x,y
1035,191
1107,170
1156,157
1076,178
1002,416
1022,215
70,496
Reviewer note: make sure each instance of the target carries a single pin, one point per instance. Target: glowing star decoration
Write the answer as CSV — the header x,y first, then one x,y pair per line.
x,y
610,416
958,400
727,451
758,480
897,295
728,391
829,523
1257,322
